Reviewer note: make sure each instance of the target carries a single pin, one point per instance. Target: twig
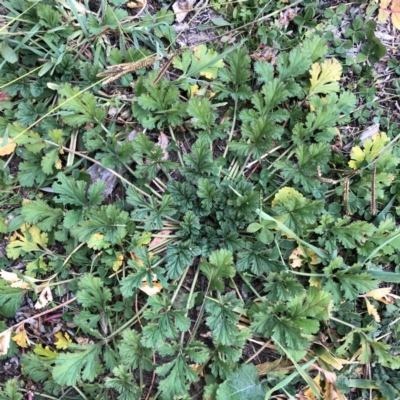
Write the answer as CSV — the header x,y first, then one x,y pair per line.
x,y
265,345
152,379
43,313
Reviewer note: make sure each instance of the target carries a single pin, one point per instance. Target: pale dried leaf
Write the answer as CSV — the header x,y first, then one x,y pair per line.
x,y
158,240
286,17
163,142
5,338
45,298
380,294
17,282
297,257
396,13
329,376
82,341
151,291
182,8
383,12
134,4
7,148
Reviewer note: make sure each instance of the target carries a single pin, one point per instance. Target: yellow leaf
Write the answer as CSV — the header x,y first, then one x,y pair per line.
x,y
193,89
202,54
325,355
45,352
314,281
373,311
309,392
118,262
96,241
373,147
380,294
5,338
30,239
332,393
383,11
151,291
144,239
21,337
7,148
37,237
62,340
324,76
45,297
396,13
357,156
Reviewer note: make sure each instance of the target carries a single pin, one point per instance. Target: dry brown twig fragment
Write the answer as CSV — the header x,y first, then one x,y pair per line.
x,y
119,70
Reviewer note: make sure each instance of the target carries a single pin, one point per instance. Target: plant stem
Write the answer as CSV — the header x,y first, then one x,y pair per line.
x,y
190,298
251,287
179,286
343,322
232,130
124,326
179,153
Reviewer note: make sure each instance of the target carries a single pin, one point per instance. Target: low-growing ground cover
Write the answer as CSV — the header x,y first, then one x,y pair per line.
x,y
199,200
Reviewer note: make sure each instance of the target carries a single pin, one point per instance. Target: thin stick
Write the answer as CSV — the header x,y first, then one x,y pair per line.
x,y
265,345
152,379
373,191
78,153
43,313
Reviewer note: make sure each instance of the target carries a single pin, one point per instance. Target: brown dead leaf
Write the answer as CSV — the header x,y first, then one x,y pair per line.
x,y
5,338
286,17
82,341
277,365
21,338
